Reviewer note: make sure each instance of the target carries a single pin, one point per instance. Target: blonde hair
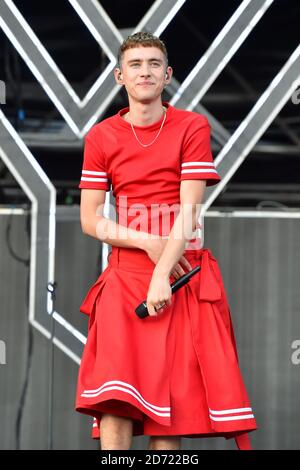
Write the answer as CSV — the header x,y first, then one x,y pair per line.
x,y
142,39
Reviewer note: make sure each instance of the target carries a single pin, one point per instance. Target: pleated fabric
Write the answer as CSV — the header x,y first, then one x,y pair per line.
x,y
174,374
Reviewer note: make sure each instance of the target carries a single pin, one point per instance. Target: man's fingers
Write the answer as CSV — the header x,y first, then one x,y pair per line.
x,y
185,263
175,273
158,307
180,270
155,310
151,310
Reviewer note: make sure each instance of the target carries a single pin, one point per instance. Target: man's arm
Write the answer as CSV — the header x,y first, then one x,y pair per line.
x,y
93,223
191,196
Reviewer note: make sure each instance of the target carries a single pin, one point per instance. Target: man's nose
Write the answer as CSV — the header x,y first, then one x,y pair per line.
x,y
145,71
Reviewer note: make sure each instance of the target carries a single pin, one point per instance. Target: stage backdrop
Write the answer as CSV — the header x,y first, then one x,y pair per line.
x,y
260,261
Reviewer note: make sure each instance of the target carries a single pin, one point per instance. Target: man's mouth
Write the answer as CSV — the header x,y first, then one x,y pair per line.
x,y
145,83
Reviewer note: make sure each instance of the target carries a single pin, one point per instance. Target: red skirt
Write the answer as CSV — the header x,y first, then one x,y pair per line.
x,y
174,374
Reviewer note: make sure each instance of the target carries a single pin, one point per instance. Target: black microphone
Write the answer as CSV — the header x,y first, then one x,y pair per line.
x,y
142,310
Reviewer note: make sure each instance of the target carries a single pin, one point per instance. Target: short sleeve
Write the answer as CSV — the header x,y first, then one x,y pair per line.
x,y
197,160
94,174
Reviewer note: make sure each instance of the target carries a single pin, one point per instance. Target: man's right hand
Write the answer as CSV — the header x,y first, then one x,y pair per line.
x,y
154,250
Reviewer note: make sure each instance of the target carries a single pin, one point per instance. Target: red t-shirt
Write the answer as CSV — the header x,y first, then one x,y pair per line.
x,y
146,180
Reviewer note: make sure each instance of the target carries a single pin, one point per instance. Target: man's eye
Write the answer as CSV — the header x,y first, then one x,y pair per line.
x,y
156,64
135,64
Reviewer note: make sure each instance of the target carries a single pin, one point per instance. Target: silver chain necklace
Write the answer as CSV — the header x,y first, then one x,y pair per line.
x,y
160,129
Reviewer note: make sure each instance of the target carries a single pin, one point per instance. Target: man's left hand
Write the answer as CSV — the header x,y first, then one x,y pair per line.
x,y
159,294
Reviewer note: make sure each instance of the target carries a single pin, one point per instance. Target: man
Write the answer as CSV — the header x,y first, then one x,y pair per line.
x,y
174,373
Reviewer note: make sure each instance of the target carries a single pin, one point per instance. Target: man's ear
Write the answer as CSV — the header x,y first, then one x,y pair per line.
x,y
168,75
118,76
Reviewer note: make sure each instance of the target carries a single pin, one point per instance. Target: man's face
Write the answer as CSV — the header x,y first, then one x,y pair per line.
x,y
143,73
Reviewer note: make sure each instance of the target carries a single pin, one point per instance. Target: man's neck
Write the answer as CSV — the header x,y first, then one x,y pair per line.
x,y
141,114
